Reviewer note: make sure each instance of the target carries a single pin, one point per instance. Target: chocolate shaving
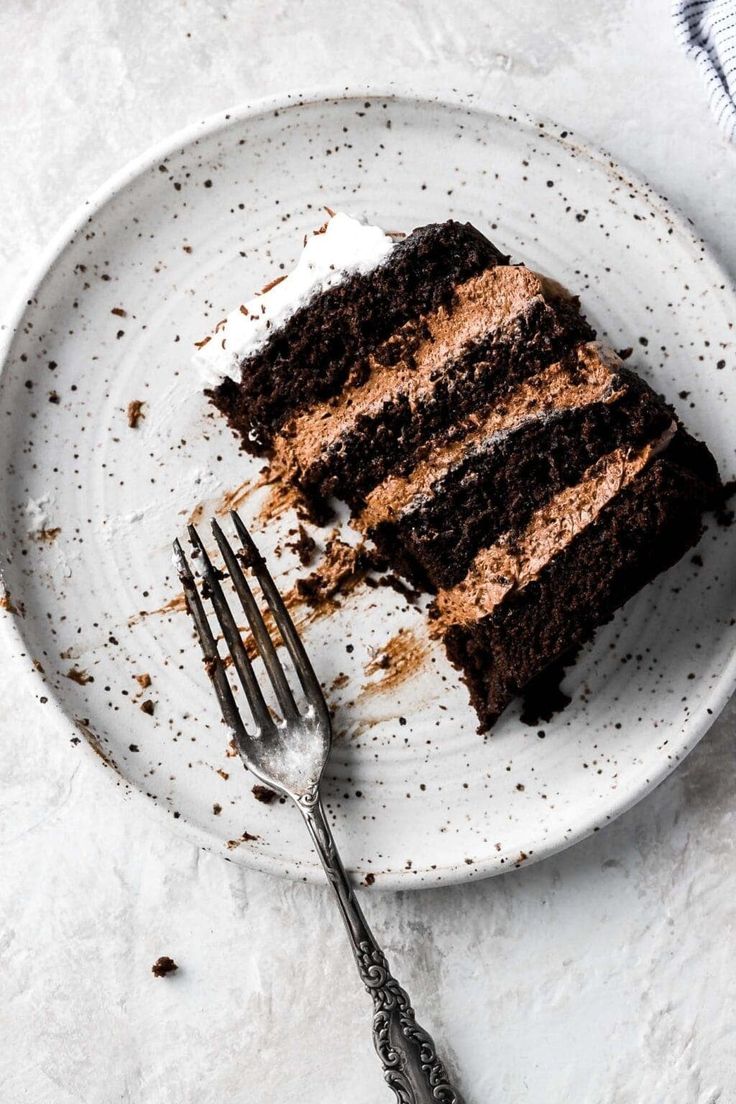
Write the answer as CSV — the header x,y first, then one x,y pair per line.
x,y
272,284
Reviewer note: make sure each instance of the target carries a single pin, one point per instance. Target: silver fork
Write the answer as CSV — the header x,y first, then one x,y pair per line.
x,y
289,755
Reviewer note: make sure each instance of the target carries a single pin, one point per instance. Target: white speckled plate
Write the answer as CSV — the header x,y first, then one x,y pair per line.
x,y
89,505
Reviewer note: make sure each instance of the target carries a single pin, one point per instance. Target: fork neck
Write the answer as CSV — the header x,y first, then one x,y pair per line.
x,y
312,810
411,1066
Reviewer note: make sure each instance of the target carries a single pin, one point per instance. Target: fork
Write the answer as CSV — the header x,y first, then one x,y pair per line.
x,y
288,754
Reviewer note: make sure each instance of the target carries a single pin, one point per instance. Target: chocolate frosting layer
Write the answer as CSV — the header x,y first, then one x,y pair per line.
x,y
588,378
486,302
514,561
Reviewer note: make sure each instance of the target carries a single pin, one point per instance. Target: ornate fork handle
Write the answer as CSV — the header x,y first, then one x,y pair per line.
x,y
285,754
407,1052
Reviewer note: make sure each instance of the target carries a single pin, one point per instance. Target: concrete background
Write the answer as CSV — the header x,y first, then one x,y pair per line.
x,y
604,975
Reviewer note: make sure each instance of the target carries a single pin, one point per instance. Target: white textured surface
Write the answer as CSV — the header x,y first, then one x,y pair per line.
x,y
603,975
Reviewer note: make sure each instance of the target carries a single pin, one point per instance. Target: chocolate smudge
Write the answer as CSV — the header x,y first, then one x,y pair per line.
x,y
174,605
94,742
396,662
46,536
79,675
7,603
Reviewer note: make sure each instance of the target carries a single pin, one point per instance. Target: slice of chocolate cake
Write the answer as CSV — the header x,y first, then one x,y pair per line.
x,y
495,454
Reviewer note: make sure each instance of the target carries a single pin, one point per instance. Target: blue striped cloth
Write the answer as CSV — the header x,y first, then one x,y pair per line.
x,y
707,30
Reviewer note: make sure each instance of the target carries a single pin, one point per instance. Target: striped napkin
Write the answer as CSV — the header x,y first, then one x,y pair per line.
x,y
707,30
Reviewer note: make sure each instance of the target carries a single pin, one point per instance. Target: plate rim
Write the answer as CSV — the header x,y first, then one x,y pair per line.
x,y
11,636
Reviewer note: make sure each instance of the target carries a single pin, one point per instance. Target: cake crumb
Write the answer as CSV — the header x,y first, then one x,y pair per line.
x,y
342,568
135,412
247,837
148,707
79,675
304,545
264,794
163,966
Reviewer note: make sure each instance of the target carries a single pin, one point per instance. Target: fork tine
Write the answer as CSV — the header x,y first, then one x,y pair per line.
x,y
208,645
305,671
261,634
242,663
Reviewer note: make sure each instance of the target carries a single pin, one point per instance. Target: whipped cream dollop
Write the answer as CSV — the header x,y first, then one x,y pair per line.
x,y
342,247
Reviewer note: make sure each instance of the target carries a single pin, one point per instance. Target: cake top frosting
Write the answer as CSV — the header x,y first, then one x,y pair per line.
x,y
343,246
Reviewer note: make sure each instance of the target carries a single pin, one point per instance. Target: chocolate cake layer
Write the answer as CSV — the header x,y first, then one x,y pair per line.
x,y
495,482
502,326
641,531
328,340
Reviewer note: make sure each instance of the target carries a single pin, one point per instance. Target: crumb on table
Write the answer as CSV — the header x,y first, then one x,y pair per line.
x,y
163,966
